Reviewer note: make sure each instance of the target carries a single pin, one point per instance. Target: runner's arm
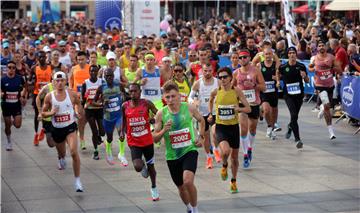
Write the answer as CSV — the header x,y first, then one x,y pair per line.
x,y
47,105
159,129
233,81
152,107
195,113
194,92
41,95
71,78
122,132
83,91
260,80
211,101
246,108
77,104
138,75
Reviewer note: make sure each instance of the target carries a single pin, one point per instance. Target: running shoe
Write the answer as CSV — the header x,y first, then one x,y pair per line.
x,y
332,136
224,173
41,134
233,187
36,140
315,109
277,128
110,159
209,163
217,156
246,163
273,134
78,186
268,132
123,160
321,112
96,155
155,194
82,145
145,172
249,152
299,144
8,146
288,133
62,164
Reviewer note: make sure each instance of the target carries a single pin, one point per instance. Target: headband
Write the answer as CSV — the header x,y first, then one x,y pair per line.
x,y
149,56
244,53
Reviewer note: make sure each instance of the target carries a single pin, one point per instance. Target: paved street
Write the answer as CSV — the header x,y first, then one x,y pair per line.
x,y
323,177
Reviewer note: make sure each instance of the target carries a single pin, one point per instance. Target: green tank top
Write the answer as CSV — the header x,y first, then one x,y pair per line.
x,y
180,139
50,89
130,75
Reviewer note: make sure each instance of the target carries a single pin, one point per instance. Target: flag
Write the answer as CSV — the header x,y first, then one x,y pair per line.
x,y
108,14
289,25
46,12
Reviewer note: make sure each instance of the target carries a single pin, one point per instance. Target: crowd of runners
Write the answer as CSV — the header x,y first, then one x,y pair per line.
x,y
168,90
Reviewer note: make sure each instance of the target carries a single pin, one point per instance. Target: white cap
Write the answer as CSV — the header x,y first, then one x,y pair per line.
x,y
110,55
52,35
109,37
59,75
166,59
46,49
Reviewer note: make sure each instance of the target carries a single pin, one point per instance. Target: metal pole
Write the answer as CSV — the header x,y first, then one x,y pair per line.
x,y
166,9
217,8
317,21
67,8
251,10
205,11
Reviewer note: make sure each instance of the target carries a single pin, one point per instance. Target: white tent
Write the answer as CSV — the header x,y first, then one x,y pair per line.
x,y
344,5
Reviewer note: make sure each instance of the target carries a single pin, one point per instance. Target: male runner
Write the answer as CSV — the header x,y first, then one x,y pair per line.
x,y
201,91
269,98
250,80
174,123
227,124
112,96
293,73
64,104
325,67
93,110
13,97
138,134
78,74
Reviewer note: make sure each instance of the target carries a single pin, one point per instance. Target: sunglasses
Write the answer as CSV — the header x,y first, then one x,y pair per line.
x,y
192,55
178,70
11,67
223,77
242,57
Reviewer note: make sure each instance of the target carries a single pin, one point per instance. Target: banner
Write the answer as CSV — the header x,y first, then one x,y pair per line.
x,y
108,14
289,25
45,11
146,17
350,96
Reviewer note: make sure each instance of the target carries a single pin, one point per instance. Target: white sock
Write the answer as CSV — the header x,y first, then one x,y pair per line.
x,y
195,209
330,128
251,140
189,207
77,179
8,138
244,143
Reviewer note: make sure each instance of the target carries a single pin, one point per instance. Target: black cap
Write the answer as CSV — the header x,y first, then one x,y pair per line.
x,y
291,49
105,47
168,44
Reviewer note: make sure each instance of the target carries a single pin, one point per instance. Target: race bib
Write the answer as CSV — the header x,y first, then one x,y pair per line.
x,y
180,138
226,112
293,89
113,105
92,93
62,118
138,127
42,84
270,86
325,74
250,95
78,88
11,97
151,92
183,97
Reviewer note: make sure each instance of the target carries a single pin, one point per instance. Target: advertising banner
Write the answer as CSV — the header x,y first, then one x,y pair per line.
x,y
108,14
146,17
45,11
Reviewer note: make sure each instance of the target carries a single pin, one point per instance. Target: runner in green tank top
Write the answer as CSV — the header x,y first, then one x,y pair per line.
x,y
174,123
